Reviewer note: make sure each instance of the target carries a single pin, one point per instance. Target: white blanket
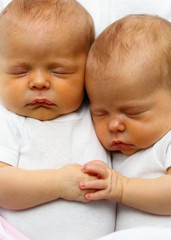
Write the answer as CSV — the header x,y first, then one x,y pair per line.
x,y
143,233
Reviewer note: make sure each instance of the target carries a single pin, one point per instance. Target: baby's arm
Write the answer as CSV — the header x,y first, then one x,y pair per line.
x,y
150,195
21,189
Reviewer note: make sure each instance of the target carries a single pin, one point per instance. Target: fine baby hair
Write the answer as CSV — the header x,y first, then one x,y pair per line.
x,y
60,10
131,36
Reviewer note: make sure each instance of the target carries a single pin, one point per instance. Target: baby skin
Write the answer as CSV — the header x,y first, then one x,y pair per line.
x,y
109,185
41,186
130,107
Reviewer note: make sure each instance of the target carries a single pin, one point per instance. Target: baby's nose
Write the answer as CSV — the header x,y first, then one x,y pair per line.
x,y
39,81
116,125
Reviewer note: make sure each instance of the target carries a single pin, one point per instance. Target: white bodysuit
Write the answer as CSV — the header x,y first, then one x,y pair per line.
x,y
32,144
149,163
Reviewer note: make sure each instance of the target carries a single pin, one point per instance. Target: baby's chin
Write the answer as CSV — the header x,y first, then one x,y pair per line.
x,y
129,152
41,114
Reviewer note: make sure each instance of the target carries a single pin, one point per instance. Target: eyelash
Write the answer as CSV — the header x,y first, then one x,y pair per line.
x,y
137,114
20,73
60,73
99,114
131,115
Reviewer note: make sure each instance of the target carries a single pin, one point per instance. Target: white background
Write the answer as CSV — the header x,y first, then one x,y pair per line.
x,y
104,12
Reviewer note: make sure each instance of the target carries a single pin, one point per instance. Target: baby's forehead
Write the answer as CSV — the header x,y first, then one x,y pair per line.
x,y
44,29
141,71
74,20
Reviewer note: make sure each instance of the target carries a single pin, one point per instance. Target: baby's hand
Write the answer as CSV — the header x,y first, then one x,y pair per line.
x,y
68,179
108,185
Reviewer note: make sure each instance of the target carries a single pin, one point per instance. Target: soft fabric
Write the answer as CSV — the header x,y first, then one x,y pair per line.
x,y
149,163
142,233
8,232
31,144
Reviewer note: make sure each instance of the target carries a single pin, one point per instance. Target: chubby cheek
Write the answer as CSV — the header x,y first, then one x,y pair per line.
x,y
70,100
144,138
69,94
5,95
102,134
10,97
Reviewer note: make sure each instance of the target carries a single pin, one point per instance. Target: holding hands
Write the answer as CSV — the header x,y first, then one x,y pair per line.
x,y
108,183
68,179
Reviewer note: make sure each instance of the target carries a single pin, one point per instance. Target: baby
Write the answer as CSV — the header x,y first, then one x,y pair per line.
x,y
128,82
45,132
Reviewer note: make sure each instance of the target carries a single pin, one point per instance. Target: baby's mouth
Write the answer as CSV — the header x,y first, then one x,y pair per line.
x,y
118,145
40,102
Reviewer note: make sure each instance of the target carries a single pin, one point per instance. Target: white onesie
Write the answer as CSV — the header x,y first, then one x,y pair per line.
x,y
149,163
32,144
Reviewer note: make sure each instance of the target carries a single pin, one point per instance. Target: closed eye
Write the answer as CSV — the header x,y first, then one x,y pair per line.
x,y
19,74
134,113
99,114
59,72
19,71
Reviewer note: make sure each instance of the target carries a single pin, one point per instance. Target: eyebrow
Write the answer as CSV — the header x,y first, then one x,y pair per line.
x,y
12,67
15,65
61,64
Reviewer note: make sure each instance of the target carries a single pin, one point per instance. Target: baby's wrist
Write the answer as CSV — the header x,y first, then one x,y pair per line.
x,y
58,184
117,189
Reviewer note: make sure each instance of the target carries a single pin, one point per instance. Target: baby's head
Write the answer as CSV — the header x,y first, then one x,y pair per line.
x,y
43,50
128,81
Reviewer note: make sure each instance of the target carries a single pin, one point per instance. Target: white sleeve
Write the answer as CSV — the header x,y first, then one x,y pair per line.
x,y
141,233
9,136
168,156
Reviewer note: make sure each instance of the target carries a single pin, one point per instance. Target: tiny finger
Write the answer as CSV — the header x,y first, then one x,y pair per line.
x,y
96,184
95,196
95,170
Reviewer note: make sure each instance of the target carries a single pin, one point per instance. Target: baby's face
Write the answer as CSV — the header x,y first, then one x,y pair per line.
x,y
41,71
128,116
